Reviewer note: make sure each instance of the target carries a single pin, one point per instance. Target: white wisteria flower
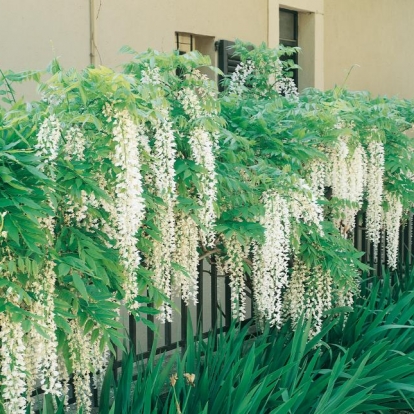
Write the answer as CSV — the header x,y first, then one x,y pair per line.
x,y
347,177
48,144
41,353
233,267
392,223
12,365
129,201
239,77
81,359
203,146
270,263
375,175
185,281
75,144
163,155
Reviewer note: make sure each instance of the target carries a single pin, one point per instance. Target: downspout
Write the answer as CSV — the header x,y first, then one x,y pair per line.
x,y
92,43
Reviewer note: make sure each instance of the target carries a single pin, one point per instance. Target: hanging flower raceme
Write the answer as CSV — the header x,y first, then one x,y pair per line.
x,y
41,352
12,365
304,206
203,146
185,280
294,298
163,156
346,175
375,174
316,173
318,298
233,267
48,142
357,176
309,294
239,77
129,201
392,223
86,358
75,144
81,359
270,264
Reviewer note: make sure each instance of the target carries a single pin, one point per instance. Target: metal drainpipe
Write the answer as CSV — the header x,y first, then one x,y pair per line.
x,y
92,32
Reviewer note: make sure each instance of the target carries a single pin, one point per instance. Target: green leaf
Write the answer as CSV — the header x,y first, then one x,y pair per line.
x,y
80,285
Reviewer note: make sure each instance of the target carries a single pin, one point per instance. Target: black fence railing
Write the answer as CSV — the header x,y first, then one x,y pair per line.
x,y
214,305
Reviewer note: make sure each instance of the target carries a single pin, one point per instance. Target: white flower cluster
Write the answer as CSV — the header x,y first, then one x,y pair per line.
x,y
77,212
270,262
287,87
186,256
233,266
392,223
357,167
347,176
41,356
309,295
13,365
375,175
343,296
206,88
164,156
81,358
64,378
239,77
75,144
151,76
203,145
318,298
304,206
129,201
100,362
316,172
294,298
53,96
48,141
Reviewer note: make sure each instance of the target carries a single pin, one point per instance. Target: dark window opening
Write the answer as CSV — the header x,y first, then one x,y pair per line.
x,y
288,35
184,42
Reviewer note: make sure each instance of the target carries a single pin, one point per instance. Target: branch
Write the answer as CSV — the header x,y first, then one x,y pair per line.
x,y
203,256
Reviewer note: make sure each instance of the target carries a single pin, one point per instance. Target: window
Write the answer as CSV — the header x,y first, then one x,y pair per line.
x,y
184,42
187,42
288,34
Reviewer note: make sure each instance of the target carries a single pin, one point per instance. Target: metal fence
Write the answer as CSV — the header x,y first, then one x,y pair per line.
x,y
378,261
213,309
214,304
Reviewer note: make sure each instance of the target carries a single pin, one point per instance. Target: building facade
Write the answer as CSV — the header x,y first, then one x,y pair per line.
x,y
365,44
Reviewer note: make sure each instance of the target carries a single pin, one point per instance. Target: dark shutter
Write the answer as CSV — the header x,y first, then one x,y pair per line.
x,y
227,61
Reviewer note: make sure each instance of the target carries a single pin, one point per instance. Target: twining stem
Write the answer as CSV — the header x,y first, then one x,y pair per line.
x,y
8,86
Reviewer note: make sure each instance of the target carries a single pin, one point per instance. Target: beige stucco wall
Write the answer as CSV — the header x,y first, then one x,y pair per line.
x,y
376,35
33,32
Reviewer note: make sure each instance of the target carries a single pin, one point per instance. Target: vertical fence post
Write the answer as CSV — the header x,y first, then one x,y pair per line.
x,y
214,302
